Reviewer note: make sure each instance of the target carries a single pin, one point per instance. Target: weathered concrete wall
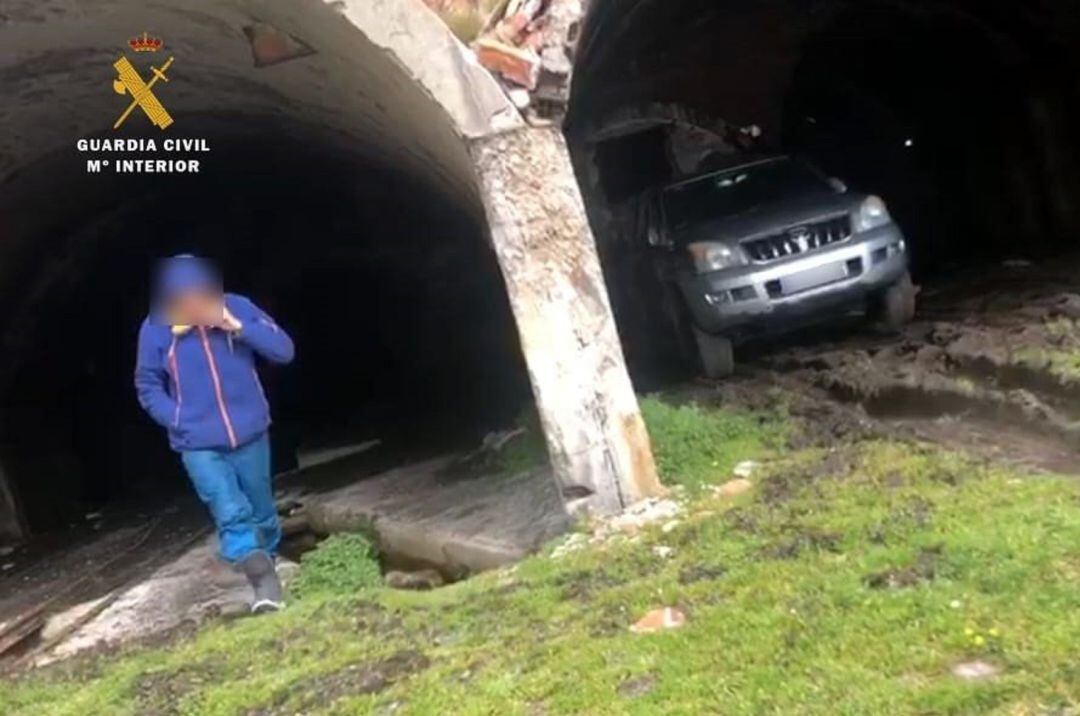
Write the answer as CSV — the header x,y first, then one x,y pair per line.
x,y
596,437
418,40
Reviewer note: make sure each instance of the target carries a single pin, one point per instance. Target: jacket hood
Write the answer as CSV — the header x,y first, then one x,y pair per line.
x,y
185,273
179,274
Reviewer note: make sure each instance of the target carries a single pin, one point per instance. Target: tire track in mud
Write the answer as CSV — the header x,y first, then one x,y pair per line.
x,y
986,383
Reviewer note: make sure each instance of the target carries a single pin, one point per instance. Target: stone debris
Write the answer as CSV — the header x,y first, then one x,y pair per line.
x,y
526,44
638,516
746,469
572,543
629,523
287,570
659,620
520,97
520,66
975,670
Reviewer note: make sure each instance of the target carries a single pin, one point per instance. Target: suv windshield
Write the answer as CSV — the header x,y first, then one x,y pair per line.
x,y
734,191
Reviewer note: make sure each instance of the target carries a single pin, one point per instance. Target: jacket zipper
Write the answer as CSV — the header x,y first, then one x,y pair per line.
x,y
175,366
217,388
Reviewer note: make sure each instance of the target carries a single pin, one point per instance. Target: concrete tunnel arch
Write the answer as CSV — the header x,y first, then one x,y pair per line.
x,y
383,84
986,94
724,67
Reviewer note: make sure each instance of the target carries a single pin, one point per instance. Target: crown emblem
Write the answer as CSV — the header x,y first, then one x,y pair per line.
x,y
145,43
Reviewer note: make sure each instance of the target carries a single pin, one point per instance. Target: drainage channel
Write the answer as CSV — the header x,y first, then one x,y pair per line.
x,y
420,518
400,570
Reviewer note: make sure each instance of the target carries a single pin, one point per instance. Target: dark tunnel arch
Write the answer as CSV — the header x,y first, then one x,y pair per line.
x,y
360,230
986,91
389,288
945,116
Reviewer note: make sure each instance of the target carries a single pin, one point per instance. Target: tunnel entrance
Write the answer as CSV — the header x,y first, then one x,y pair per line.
x,y
337,193
961,116
388,287
948,118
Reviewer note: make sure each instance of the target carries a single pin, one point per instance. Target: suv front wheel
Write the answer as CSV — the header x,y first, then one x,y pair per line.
x,y
717,354
896,305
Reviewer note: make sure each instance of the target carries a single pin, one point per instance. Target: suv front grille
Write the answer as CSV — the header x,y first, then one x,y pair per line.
x,y
799,239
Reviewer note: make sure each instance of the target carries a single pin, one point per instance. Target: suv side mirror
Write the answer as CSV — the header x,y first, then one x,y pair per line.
x,y
838,186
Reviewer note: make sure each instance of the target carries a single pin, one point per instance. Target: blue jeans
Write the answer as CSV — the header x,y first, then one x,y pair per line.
x,y
235,485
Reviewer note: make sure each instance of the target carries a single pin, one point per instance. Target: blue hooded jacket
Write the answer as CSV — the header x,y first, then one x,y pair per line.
x,y
202,385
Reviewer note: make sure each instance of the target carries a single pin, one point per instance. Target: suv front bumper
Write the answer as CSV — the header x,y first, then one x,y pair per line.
x,y
773,297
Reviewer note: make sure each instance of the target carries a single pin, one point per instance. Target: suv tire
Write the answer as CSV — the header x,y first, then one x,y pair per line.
x,y
897,307
717,354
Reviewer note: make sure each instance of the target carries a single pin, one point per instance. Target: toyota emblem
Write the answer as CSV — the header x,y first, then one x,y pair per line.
x,y
801,236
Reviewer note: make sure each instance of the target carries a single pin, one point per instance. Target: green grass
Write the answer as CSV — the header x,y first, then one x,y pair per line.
x,y
1062,359
340,564
786,589
1063,364
693,446
696,446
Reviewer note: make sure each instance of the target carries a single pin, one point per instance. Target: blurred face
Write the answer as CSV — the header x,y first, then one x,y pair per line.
x,y
198,307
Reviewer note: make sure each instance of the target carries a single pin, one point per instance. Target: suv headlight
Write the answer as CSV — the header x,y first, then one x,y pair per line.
x,y
872,214
715,255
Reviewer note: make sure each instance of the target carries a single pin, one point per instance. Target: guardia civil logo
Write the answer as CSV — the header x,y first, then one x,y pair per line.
x,y
141,84
131,84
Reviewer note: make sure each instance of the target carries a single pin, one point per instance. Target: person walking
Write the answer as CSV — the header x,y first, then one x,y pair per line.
x,y
196,375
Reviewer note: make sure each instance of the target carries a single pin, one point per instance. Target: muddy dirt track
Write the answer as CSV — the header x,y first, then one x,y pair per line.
x,y
991,365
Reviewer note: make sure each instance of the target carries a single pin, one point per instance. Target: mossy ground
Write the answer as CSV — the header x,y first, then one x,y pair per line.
x,y
1059,354
849,581
340,564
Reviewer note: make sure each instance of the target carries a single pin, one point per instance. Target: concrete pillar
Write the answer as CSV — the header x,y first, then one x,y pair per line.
x,y
596,438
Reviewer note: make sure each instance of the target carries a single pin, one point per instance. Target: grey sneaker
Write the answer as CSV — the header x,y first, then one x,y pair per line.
x,y
259,569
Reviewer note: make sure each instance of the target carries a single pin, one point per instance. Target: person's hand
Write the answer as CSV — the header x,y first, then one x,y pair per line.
x,y
229,322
